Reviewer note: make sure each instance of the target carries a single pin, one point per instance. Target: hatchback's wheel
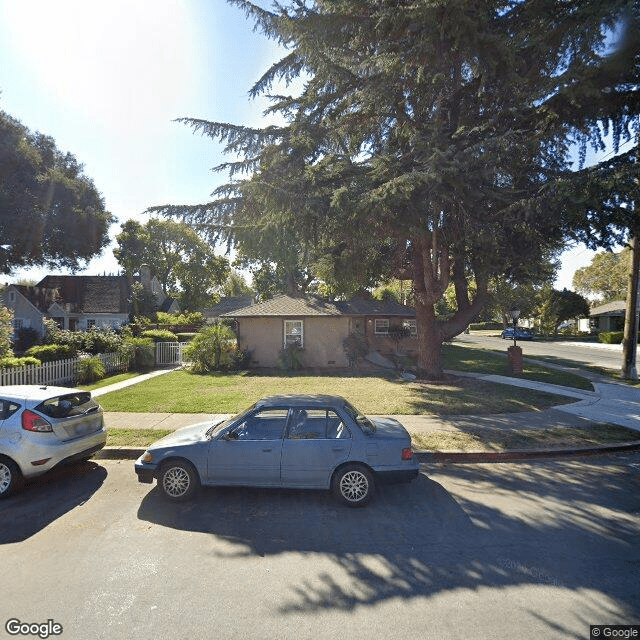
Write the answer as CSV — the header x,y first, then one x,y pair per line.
x,y
9,477
179,481
353,485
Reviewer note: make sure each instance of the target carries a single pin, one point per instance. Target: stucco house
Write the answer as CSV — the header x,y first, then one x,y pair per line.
x,y
605,317
319,327
78,303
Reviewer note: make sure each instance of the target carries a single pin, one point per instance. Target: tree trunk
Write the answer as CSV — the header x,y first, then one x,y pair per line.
x,y
630,340
429,341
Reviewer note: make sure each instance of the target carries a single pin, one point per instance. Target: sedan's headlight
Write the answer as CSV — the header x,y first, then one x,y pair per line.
x,y
147,456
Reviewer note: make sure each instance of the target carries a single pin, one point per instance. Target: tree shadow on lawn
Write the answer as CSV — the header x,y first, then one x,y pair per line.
x,y
46,498
554,526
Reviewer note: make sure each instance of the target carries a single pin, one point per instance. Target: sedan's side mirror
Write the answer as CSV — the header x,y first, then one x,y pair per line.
x,y
230,435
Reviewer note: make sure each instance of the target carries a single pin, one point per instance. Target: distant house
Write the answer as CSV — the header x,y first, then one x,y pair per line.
x,y
606,317
80,302
320,327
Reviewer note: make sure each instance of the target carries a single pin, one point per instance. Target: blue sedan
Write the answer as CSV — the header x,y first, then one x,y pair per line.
x,y
518,333
293,441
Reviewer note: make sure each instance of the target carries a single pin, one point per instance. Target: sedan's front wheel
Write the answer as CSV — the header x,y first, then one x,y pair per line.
x,y
353,485
178,480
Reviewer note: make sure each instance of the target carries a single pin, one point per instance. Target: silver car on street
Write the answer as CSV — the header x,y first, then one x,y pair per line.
x,y
294,441
41,427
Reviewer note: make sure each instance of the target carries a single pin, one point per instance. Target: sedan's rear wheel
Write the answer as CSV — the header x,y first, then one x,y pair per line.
x,y
9,477
178,480
353,485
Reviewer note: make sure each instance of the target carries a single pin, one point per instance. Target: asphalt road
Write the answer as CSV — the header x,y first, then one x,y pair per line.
x,y
537,550
599,355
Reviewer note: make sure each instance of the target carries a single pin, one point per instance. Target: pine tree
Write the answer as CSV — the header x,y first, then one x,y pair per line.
x,y
429,143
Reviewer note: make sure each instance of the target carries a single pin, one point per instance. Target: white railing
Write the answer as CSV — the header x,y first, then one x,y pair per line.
x,y
58,371
169,352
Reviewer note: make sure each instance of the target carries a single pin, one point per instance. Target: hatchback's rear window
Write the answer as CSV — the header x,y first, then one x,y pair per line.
x,y
72,404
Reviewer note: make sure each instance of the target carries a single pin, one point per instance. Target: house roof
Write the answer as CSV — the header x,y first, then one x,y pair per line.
x,y
616,307
226,305
84,294
284,305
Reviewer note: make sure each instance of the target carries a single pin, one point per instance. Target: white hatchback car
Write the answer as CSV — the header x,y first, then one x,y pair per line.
x,y
41,427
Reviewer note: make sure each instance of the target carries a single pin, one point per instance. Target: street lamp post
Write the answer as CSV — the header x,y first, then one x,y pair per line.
x,y
514,352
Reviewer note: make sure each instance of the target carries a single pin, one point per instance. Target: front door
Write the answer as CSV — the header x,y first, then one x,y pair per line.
x,y
251,453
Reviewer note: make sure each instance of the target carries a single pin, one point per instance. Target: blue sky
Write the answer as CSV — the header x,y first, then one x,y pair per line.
x,y
106,79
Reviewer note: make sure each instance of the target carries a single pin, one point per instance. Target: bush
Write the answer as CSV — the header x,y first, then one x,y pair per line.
x,y
212,349
27,337
51,352
11,363
186,337
160,335
99,340
611,337
182,319
290,358
355,346
493,326
141,351
90,370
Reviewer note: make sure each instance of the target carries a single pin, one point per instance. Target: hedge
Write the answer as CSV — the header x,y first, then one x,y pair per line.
x,y
50,352
611,337
11,363
160,335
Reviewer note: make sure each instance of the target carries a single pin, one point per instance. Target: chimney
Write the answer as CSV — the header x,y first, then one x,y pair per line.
x,y
145,277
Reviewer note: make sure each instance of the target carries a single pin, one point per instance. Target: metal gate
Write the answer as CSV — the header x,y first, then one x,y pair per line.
x,y
169,352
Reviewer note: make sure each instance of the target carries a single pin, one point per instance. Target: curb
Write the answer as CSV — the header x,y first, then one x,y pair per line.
x,y
424,457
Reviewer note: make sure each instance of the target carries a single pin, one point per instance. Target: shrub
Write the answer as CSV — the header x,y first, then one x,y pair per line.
x,y
142,353
493,326
160,335
211,349
11,362
182,319
99,340
90,370
51,352
611,337
290,358
355,346
186,337
27,337
240,359
6,331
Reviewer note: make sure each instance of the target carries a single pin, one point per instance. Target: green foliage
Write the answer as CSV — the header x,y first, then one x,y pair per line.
x,y
11,362
160,335
186,337
182,261
27,337
606,278
141,352
50,212
6,332
90,370
95,340
479,326
355,346
182,319
212,349
290,358
611,337
51,352
558,306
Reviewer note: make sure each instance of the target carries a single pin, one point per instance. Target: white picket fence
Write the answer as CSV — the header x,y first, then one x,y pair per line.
x,y
57,372
170,353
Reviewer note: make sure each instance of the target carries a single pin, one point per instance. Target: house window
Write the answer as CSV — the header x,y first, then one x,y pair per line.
x,y
12,296
412,326
293,333
18,323
91,323
381,326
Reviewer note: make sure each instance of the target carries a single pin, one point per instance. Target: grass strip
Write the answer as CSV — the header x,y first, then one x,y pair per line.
x,y
491,439
134,437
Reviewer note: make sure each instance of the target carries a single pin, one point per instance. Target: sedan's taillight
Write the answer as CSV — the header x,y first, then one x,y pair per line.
x,y
407,454
33,422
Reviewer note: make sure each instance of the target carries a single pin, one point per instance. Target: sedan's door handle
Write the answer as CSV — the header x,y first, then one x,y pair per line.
x,y
339,448
267,450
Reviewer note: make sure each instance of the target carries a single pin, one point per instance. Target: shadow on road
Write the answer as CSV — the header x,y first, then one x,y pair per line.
x,y
418,540
46,498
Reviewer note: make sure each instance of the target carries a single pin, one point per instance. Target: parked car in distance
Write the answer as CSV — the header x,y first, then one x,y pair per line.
x,y
41,427
293,441
520,334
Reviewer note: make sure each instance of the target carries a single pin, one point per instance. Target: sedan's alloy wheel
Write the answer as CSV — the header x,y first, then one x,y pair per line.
x,y
5,477
176,482
354,486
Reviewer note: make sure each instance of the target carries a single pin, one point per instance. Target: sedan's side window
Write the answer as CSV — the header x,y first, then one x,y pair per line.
x,y
311,424
267,424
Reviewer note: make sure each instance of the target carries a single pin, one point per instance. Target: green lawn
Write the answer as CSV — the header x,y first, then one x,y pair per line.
x,y
183,392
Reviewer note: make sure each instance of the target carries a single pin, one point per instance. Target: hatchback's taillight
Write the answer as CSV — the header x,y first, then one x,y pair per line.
x,y
407,454
33,422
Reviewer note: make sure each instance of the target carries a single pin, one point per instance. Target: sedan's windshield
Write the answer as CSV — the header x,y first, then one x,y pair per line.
x,y
216,428
363,422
